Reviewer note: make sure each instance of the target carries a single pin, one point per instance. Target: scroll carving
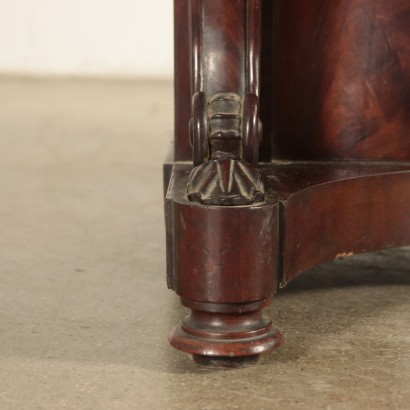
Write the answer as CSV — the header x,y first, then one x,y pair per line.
x,y
225,128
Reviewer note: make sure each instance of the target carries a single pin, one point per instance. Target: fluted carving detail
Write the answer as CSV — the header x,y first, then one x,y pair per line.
x,y
225,127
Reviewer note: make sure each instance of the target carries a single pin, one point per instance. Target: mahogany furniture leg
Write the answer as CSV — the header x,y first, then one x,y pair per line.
x,y
223,227
247,210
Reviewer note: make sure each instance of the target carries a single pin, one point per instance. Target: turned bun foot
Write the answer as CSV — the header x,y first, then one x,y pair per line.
x,y
226,339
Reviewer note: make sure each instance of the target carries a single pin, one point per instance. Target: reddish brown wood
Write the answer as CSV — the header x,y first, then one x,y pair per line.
x,y
325,173
335,209
225,278
225,126
341,84
229,278
206,269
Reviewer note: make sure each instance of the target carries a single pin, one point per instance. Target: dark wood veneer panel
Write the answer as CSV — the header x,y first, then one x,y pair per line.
x,y
338,76
345,217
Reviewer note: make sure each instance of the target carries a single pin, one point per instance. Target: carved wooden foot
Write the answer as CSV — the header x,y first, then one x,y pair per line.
x,y
222,262
218,339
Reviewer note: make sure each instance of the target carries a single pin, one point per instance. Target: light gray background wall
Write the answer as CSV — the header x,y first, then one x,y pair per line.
x,y
86,37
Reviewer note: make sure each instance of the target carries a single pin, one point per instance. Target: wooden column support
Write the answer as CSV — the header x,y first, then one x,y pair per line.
x,y
225,127
225,230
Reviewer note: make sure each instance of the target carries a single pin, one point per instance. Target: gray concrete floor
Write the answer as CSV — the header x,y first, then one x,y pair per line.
x,y
84,309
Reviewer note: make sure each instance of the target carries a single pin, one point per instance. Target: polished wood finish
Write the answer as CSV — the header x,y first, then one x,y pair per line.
x,y
292,148
335,209
341,83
